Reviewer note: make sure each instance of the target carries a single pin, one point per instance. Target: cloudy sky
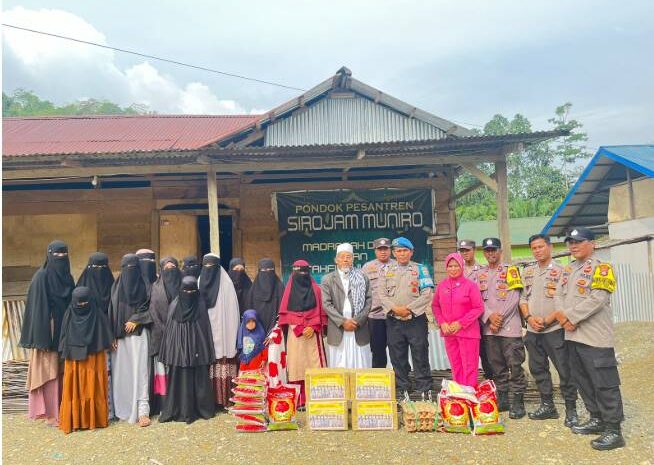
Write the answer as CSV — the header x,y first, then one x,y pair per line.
x,y
461,60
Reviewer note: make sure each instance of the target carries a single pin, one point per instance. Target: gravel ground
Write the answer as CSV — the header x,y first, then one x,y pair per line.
x,y
525,441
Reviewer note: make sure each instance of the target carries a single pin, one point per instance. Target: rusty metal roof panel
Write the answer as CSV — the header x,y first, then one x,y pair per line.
x,y
115,134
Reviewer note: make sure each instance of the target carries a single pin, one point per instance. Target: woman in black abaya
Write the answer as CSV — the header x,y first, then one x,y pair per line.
x,y
241,280
98,278
265,295
47,300
187,350
129,318
164,291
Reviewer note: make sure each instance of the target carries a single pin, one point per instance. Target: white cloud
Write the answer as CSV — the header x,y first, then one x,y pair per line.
x,y
62,70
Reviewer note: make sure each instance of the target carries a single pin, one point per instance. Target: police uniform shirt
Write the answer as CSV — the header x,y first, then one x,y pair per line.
x,y
500,289
471,272
374,269
584,296
539,291
409,285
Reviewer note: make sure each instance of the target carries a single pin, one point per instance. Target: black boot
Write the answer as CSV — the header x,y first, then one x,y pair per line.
x,y
611,438
545,411
571,417
503,401
517,407
593,426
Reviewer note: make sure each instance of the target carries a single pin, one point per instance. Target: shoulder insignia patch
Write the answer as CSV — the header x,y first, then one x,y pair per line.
x,y
513,279
604,278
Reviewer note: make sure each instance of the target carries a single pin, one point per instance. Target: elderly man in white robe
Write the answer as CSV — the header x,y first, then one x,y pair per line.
x,y
347,298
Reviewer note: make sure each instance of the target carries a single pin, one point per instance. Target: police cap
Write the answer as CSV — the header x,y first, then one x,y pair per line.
x,y
491,243
580,234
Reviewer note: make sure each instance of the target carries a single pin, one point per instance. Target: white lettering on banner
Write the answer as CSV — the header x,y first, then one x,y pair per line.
x,y
392,220
401,220
321,208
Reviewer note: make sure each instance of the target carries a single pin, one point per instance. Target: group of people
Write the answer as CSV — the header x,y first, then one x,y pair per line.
x,y
171,342
567,313
146,343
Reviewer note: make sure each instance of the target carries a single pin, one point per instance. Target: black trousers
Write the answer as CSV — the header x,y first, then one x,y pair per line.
x,y
595,373
506,356
543,347
402,335
485,363
378,342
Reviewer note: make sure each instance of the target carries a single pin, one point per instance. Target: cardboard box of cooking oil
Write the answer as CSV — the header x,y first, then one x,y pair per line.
x,y
327,384
373,384
327,415
371,415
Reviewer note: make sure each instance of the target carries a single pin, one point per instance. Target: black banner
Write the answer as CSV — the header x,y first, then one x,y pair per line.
x,y
313,223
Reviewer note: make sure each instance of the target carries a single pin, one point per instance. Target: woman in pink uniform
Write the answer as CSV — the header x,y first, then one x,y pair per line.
x,y
457,305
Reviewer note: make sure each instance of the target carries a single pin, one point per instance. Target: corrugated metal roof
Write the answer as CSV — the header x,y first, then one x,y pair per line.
x,y
587,202
115,134
428,149
343,81
351,120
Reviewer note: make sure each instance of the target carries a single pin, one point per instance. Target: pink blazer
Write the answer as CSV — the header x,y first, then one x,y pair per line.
x,y
459,300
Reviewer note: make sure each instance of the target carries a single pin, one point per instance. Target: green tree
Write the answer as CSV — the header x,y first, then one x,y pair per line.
x,y
539,177
26,103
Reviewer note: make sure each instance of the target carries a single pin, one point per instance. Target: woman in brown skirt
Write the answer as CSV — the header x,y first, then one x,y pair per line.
x,y
301,314
85,336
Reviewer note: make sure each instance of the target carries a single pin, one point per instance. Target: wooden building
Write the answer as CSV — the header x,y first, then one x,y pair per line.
x,y
190,184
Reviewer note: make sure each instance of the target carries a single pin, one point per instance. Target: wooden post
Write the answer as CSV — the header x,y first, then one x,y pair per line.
x,y
154,232
502,197
212,195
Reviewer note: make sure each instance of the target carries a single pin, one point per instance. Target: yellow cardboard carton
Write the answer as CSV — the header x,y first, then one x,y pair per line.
x,y
327,415
373,384
327,384
371,415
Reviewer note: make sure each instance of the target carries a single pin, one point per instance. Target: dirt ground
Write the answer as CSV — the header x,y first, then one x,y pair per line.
x,y
215,441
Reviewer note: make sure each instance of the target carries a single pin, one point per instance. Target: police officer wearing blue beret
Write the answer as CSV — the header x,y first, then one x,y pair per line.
x,y
406,291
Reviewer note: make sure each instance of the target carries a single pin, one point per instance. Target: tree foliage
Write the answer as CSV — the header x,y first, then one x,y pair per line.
x,y
26,103
538,178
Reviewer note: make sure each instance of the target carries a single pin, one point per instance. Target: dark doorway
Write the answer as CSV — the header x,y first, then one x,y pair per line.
x,y
225,227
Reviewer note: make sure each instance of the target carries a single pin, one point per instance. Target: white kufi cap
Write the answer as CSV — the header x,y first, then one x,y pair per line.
x,y
344,247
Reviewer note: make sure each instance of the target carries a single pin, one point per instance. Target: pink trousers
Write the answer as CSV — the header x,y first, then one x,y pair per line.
x,y
463,353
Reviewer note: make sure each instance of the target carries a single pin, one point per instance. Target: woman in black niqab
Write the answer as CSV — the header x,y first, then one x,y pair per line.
x,y
187,349
85,336
209,282
241,280
130,318
129,298
191,267
85,329
265,295
164,291
302,296
98,278
148,265
48,298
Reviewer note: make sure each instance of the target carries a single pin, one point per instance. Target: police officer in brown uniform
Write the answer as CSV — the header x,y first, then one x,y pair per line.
x,y
466,248
583,307
374,269
500,286
406,293
546,343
